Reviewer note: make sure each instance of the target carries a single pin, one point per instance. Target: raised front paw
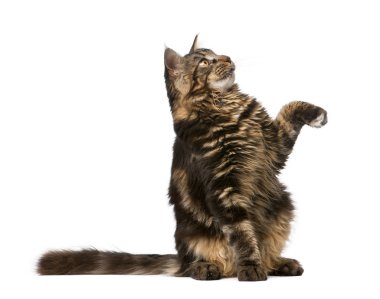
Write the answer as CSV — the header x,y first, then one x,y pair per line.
x,y
251,273
314,116
320,120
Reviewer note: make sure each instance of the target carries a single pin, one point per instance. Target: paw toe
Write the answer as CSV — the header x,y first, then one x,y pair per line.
x,y
205,271
320,120
289,268
251,273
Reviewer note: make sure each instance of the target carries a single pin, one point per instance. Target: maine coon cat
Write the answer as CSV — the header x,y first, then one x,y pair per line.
x,y
233,215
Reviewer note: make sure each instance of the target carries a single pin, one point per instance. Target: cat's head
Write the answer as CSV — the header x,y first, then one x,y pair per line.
x,y
201,70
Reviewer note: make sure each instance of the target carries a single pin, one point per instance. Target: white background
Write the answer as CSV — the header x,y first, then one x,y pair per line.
x,y
86,136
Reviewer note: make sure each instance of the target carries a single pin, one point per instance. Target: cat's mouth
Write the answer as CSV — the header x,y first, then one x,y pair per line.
x,y
227,74
224,82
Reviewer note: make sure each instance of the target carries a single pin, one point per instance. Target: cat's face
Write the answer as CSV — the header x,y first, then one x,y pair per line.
x,y
199,71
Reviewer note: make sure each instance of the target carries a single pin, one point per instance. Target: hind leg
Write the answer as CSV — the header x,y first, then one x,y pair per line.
x,y
287,267
204,271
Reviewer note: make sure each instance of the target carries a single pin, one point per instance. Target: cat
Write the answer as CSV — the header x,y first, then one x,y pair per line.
x,y
233,215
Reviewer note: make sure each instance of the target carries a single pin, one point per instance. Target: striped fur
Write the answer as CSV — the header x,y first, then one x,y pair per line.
x,y
233,215
91,261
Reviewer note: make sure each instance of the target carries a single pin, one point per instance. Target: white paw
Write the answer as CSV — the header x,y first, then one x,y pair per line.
x,y
319,121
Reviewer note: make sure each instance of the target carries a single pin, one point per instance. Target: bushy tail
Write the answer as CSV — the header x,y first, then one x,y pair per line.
x,y
91,261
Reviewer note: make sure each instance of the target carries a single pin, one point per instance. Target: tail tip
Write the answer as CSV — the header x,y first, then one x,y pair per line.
x,y
48,263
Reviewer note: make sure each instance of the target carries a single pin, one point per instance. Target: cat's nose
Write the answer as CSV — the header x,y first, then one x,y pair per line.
x,y
224,58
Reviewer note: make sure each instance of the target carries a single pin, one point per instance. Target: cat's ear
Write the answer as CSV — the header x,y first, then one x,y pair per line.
x,y
172,61
195,44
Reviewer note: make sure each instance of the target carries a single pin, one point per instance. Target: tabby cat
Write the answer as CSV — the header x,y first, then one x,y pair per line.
x,y
233,215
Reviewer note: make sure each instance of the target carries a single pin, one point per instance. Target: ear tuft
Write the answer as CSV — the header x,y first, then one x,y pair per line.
x,y
195,44
172,61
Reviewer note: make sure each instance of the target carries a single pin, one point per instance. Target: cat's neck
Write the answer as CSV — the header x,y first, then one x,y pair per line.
x,y
230,99
233,91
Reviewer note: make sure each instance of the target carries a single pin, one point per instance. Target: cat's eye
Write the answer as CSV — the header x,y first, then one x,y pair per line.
x,y
204,62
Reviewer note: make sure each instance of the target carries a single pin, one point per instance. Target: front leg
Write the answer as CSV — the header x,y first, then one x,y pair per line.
x,y
241,236
230,209
292,118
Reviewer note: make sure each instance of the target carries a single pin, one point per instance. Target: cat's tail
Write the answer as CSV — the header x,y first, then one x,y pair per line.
x,y
91,261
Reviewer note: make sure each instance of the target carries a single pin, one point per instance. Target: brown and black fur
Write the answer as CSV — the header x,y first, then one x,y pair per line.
x,y
233,215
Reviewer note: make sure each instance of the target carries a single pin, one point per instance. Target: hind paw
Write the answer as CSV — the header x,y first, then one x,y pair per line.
x,y
288,267
205,271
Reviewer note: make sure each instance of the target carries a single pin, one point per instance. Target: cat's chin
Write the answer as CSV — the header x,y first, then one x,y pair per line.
x,y
223,84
